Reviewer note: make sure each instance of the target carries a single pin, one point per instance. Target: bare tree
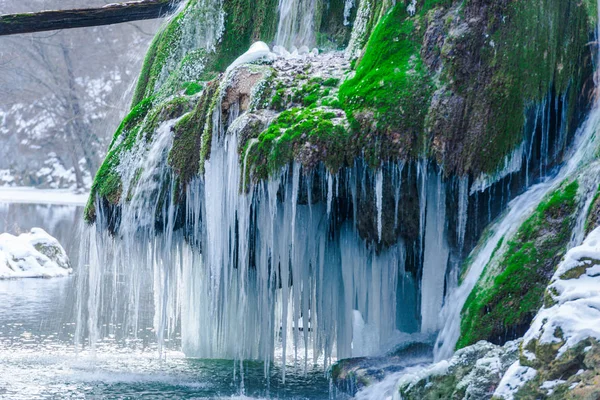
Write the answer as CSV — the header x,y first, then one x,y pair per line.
x,y
74,79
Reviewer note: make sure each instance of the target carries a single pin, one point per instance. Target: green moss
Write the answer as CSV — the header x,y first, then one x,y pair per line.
x,y
192,88
392,87
331,82
511,298
245,22
283,141
516,73
184,156
160,50
140,123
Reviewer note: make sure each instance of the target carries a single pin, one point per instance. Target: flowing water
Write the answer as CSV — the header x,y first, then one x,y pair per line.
x,y
38,359
279,272
296,23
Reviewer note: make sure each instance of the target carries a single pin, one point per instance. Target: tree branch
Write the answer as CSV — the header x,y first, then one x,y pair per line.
x,y
12,24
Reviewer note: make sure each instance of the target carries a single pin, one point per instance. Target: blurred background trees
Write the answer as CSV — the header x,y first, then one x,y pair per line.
x,y
62,95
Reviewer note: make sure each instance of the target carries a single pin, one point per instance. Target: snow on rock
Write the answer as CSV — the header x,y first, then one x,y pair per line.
x,y
560,352
257,51
575,291
32,255
516,376
472,373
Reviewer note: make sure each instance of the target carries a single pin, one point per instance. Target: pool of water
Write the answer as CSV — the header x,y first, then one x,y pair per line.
x,y
39,358
43,354
61,221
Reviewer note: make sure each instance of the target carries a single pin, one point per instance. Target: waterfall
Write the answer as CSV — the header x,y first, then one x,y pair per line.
x,y
297,23
308,266
583,152
435,258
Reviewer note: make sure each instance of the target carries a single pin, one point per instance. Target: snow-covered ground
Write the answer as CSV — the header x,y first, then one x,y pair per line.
x,y
28,195
32,255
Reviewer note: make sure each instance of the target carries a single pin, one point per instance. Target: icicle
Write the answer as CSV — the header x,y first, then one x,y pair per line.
x,y
583,150
422,176
348,5
329,193
435,255
379,201
463,206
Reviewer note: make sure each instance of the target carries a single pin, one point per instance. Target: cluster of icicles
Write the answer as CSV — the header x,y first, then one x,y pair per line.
x,y
270,273
273,272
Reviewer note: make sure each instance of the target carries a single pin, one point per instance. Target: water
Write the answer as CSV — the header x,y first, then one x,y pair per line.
x,y
38,358
296,23
582,154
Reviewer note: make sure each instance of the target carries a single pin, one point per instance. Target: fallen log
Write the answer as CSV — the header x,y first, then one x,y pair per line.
x,y
12,24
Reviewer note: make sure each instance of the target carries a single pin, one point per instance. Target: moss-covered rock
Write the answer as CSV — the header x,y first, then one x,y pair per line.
x,y
562,346
510,292
454,79
139,124
447,80
472,373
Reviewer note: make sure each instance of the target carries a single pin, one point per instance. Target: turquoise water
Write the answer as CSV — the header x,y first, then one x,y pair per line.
x,y
38,359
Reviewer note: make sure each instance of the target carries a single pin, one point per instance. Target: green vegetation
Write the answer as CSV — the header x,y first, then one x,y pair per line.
x,y
245,23
192,88
185,153
526,71
392,88
160,50
141,122
308,135
509,299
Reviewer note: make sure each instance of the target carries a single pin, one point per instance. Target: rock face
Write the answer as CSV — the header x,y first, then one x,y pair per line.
x,y
32,255
511,289
473,373
353,374
446,80
562,346
558,357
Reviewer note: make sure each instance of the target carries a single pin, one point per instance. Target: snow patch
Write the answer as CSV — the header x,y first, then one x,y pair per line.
x,y
576,311
257,51
516,376
32,255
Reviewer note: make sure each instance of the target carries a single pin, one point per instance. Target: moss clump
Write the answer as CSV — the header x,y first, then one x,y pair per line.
x,y
309,94
192,88
140,123
391,91
184,156
160,50
308,135
503,305
331,82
